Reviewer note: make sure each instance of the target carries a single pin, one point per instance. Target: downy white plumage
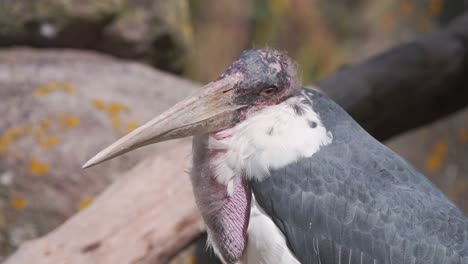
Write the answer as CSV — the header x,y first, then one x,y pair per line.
x,y
269,139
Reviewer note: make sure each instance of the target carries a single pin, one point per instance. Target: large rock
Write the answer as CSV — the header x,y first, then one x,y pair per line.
x,y
157,32
58,109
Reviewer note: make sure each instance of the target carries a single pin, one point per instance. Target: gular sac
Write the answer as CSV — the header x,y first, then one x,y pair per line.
x,y
225,209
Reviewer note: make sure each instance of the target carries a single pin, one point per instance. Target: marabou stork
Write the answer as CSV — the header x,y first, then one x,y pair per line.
x,y
282,174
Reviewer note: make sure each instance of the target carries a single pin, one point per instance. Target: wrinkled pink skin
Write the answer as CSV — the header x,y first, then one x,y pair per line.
x,y
226,217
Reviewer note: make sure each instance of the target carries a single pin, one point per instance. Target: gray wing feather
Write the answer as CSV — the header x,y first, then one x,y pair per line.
x,y
355,201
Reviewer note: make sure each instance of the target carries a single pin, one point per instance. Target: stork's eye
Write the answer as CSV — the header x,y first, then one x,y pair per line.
x,y
268,92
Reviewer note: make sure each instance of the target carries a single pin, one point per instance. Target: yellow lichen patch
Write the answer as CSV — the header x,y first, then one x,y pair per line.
x,y
98,104
18,203
435,7
47,141
38,134
44,125
462,135
38,168
67,121
115,108
113,111
111,108
15,133
116,121
54,86
3,146
436,157
11,135
42,139
72,121
130,126
85,203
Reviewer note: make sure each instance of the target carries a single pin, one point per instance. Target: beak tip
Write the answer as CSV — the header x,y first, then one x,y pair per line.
x,y
88,164
98,158
108,153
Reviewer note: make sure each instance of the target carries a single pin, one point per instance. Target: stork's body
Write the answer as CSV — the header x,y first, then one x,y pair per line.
x,y
282,174
339,197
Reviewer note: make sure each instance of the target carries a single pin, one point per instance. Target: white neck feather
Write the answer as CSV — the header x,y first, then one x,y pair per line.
x,y
269,139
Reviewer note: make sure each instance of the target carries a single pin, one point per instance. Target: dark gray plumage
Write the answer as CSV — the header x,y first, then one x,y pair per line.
x,y
356,201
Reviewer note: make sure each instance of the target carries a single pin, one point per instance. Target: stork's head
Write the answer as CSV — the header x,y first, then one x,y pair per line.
x,y
259,78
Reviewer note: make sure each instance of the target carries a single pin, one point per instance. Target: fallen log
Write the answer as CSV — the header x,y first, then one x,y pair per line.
x,y
147,216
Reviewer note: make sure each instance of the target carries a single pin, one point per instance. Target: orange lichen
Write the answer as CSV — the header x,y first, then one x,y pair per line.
x,y
131,126
67,121
116,122
18,203
111,108
42,139
462,135
44,125
3,146
115,108
113,111
38,168
15,133
435,7
72,121
11,135
47,141
85,202
54,86
38,131
98,104
436,157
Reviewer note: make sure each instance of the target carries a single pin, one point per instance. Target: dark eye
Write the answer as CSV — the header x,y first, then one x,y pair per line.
x,y
268,92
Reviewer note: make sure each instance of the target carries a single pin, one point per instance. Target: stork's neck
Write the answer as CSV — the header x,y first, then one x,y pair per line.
x,y
225,212
269,138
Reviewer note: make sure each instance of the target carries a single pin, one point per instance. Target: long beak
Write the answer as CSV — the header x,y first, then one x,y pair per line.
x,y
210,110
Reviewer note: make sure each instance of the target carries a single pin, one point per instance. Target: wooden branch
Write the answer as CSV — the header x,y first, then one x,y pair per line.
x,y
147,216
409,85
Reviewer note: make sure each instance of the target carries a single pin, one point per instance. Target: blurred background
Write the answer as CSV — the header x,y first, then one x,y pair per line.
x,y
41,140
